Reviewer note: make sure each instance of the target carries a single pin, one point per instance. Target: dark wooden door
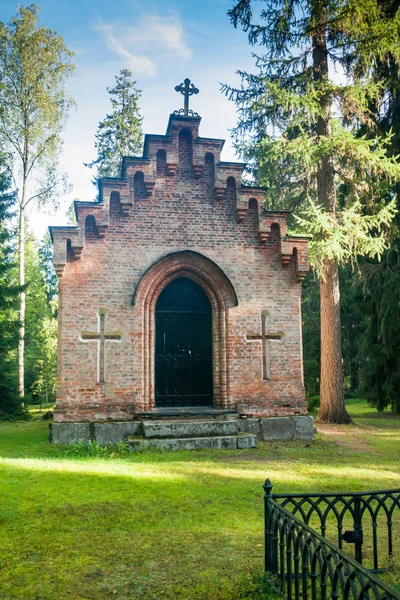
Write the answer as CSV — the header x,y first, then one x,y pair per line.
x,y
183,352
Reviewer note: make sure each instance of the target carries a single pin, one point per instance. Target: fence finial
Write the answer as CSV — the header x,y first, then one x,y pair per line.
x,y
267,487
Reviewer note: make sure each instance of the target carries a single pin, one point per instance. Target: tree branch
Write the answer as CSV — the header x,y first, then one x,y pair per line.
x,y
42,192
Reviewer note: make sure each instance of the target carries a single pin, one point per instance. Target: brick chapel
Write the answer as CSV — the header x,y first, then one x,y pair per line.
x,y
178,293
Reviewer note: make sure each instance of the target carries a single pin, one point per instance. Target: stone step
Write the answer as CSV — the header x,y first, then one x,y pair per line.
x,y
194,412
189,429
223,442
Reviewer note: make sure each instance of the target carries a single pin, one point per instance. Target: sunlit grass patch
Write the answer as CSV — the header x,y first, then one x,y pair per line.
x,y
164,525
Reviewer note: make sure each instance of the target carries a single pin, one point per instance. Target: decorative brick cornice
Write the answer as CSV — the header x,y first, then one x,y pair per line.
x,y
110,184
220,193
171,169
229,169
271,224
292,248
126,203
149,186
101,231
270,218
198,171
241,211
68,245
245,194
296,247
139,163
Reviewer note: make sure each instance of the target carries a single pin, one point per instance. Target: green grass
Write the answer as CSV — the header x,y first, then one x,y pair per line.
x,y
182,525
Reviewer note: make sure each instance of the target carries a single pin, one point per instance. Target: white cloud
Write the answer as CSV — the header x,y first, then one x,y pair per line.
x,y
154,34
137,64
161,32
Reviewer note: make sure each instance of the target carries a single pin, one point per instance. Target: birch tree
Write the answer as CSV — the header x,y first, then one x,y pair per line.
x,y
35,64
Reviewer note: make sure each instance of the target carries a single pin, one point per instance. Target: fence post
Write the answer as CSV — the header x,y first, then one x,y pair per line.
x,y
268,532
358,530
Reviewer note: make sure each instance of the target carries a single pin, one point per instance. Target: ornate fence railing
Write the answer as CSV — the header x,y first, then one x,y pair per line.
x,y
306,565
365,519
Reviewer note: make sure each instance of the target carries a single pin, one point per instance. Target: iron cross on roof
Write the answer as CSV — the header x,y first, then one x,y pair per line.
x,y
187,89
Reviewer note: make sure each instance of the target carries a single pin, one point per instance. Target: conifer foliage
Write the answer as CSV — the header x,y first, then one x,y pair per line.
x,y
120,132
9,293
380,342
380,370
299,126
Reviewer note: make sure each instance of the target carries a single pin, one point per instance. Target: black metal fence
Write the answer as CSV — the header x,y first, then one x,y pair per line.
x,y
369,516
305,563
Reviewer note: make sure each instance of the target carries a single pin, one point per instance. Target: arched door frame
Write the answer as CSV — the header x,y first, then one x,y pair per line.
x,y
222,297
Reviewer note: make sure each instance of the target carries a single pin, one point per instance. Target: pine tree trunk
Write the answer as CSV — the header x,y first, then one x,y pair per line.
x,y
21,341
332,409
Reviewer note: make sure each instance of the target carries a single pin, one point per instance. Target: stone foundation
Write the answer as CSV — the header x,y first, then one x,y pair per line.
x,y
279,428
266,429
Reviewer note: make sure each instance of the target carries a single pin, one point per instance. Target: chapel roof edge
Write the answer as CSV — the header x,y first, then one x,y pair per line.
x,y
101,179
87,203
104,180
298,237
132,159
62,228
202,140
228,163
153,137
254,188
270,211
124,158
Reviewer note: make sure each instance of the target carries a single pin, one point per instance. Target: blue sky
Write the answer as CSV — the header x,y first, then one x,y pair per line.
x,y
161,42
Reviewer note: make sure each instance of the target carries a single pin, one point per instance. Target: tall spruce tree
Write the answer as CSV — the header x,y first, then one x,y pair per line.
x,y
9,294
298,126
120,133
380,368
34,104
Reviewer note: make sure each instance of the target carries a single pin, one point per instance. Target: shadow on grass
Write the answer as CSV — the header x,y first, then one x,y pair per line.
x,y
84,535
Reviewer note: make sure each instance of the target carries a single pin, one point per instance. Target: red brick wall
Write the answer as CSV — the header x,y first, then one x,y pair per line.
x,y
136,248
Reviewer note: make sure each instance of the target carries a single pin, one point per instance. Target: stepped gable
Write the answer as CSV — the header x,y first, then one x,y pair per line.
x,y
159,163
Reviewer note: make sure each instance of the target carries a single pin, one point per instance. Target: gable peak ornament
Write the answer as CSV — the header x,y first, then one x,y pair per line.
x,y
187,89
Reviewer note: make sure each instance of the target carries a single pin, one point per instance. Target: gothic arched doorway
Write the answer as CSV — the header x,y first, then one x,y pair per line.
x,y
183,346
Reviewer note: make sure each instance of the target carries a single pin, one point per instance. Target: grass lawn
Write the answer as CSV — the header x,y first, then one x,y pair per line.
x,y
181,525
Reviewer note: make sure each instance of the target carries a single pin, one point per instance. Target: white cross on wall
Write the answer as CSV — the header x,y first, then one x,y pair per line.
x,y
264,337
101,337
